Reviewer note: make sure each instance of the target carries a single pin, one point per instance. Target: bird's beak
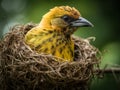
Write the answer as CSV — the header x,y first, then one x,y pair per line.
x,y
81,22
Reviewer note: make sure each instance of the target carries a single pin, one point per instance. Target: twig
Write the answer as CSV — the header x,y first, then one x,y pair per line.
x,y
112,70
108,70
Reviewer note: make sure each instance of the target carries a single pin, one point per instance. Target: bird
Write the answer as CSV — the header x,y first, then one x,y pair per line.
x,y
53,35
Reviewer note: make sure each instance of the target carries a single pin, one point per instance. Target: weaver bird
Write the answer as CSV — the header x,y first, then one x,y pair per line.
x,y
53,34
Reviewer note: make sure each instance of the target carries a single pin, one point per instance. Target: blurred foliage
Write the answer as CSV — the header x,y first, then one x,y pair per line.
x,y
104,14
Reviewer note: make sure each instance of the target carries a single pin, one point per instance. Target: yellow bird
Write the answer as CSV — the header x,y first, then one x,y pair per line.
x,y
53,34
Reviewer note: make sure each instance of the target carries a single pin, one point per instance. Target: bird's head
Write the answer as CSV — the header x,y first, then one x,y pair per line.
x,y
64,18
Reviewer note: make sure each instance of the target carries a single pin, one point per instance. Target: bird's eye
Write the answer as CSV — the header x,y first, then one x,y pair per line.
x,y
65,18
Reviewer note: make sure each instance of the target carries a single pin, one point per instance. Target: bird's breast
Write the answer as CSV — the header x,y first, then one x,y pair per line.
x,y
53,43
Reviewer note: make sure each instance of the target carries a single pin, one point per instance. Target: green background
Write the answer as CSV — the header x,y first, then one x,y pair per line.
x,y
104,14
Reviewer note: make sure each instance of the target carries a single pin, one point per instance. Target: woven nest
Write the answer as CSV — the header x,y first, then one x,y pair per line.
x,y
24,69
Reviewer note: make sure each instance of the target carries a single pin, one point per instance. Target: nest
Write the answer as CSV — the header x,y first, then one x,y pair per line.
x,y
23,69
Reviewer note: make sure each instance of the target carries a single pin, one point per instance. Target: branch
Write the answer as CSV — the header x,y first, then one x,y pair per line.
x,y
108,70
112,70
